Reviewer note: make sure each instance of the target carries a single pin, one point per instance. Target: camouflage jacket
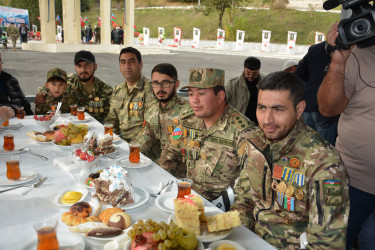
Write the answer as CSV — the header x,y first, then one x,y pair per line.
x,y
66,99
97,103
159,125
298,185
12,30
210,155
128,108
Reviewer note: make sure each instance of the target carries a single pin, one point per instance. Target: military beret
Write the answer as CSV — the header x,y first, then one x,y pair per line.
x,y
205,78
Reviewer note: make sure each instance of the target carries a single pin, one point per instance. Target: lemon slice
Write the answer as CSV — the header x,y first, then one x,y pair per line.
x,y
71,197
226,246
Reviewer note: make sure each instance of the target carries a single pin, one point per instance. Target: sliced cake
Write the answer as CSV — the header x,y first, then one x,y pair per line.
x,y
200,203
187,214
105,144
223,221
112,187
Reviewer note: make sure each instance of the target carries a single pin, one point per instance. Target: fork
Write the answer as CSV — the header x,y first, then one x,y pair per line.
x,y
31,186
163,188
28,150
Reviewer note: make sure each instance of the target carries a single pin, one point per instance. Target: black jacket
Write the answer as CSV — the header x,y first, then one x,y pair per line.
x,y
11,94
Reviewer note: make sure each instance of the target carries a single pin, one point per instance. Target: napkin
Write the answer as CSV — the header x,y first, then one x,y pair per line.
x,y
162,184
65,163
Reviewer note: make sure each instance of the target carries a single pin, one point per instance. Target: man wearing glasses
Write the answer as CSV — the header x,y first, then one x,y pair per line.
x,y
130,97
242,91
207,139
162,117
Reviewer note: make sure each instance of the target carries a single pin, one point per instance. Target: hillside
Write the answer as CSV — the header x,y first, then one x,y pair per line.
x,y
279,21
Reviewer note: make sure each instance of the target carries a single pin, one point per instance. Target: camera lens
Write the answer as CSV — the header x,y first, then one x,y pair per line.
x,y
360,27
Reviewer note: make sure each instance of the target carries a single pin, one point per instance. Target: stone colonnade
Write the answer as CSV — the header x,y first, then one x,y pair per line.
x,y
72,21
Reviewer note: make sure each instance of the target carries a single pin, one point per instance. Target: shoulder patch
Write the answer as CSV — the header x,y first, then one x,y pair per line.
x,y
187,113
241,122
332,192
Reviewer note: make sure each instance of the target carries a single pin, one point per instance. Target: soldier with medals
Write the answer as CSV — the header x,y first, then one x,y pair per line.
x,y
207,138
86,90
130,97
293,187
162,117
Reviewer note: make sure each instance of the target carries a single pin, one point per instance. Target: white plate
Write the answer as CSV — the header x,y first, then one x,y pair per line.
x,y
58,197
143,162
215,245
68,147
82,181
107,238
66,241
165,201
206,236
114,153
116,138
14,151
41,142
85,164
26,176
128,245
75,119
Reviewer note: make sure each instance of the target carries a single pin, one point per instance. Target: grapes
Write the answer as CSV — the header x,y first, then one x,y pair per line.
x,y
156,236
161,246
162,234
168,243
170,234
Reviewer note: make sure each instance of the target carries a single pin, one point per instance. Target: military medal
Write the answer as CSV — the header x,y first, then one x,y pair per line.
x,y
280,198
277,171
96,99
175,121
192,143
289,203
183,151
91,109
284,158
274,185
131,105
287,173
289,191
170,129
185,132
185,142
131,112
281,187
101,110
294,162
177,133
299,194
192,133
140,104
299,179
136,113
96,110
197,144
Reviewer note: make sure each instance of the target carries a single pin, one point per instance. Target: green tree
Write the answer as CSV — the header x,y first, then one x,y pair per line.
x,y
209,6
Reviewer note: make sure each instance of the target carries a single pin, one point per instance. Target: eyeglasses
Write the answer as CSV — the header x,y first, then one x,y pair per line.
x,y
163,84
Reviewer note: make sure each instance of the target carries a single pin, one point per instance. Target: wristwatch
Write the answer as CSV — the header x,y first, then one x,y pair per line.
x,y
329,48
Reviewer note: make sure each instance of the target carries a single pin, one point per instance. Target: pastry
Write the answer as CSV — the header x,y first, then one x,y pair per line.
x,y
49,135
86,227
107,213
96,207
80,209
71,220
223,221
120,220
102,232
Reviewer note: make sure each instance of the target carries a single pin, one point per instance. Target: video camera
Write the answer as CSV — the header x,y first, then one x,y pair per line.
x,y
359,28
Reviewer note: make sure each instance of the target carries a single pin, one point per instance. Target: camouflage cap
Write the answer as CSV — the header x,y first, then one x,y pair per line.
x,y
56,72
205,78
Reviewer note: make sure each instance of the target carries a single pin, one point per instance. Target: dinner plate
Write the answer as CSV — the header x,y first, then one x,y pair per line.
x,y
66,241
165,201
58,197
42,142
114,153
128,245
63,147
14,151
105,238
215,245
143,163
75,119
26,176
141,196
206,236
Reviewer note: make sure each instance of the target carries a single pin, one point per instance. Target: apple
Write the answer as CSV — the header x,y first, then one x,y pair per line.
x,y
187,239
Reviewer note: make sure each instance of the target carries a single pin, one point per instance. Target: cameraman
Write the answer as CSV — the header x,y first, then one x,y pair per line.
x,y
349,89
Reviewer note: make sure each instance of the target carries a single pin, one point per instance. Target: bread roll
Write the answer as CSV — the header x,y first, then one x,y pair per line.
x,y
71,220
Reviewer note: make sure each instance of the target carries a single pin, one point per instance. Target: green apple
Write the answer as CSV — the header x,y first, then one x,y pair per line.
x,y
187,239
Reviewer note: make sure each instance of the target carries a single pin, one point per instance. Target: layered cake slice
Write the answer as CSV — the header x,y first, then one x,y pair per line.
x,y
223,221
92,143
113,187
187,214
198,200
105,144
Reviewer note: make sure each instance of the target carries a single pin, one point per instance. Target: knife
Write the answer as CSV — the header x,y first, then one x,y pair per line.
x,y
32,186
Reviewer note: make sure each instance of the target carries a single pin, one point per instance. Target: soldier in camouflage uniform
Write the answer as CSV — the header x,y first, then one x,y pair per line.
x,y
162,117
130,97
207,138
293,181
56,92
12,32
87,90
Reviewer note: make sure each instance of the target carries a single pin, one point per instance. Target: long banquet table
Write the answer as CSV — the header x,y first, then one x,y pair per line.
x,y
19,210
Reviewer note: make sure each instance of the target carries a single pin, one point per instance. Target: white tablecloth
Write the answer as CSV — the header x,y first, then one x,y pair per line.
x,y
19,210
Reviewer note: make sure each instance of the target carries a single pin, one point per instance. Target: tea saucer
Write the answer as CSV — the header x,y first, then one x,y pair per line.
x,y
26,176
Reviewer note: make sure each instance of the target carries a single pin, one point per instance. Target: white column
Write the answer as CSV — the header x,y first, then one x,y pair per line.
x,y
129,23
72,21
47,21
105,15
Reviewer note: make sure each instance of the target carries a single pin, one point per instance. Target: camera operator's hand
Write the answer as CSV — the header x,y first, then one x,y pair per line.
x,y
338,56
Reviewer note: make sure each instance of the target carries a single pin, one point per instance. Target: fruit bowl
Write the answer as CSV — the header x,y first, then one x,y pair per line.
x,y
85,159
44,121
85,165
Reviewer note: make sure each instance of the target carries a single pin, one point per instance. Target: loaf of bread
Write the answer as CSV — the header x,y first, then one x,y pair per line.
x,y
102,232
86,227
80,209
71,220
107,213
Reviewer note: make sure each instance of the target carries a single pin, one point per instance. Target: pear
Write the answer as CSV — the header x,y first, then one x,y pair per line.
x,y
187,239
